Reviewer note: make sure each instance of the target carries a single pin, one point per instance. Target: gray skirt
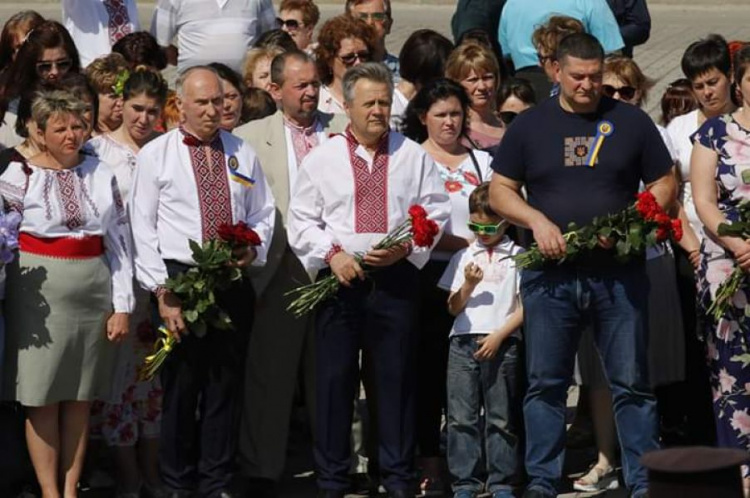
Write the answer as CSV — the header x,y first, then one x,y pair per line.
x,y
56,345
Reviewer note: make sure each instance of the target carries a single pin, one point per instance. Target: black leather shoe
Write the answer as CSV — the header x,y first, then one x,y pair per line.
x,y
330,493
225,494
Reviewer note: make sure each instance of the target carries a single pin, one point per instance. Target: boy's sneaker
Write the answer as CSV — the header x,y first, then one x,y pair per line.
x,y
597,479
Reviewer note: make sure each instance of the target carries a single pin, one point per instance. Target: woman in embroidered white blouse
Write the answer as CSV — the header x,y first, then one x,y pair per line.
x,y
129,420
69,292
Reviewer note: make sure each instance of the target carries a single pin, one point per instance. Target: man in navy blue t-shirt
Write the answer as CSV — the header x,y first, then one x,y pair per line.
x,y
552,151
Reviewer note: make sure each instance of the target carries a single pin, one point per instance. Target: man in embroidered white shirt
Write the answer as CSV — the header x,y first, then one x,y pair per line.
x,y
350,192
281,347
210,30
189,182
96,25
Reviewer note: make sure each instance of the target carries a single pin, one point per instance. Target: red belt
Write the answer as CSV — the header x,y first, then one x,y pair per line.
x,y
62,247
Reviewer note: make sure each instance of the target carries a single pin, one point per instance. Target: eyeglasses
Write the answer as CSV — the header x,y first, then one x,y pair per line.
x,y
350,59
486,229
290,24
375,16
45,67
626,92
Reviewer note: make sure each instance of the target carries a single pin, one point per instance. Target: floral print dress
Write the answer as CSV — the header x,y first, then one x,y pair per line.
x,y
727,340
134,412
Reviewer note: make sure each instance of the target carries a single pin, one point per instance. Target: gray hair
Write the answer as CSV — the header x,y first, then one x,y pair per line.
x,y
48,103
352,3
179,84
371,71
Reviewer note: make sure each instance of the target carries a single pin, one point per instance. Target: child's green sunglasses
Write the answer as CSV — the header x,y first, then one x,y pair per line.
x,y
485,229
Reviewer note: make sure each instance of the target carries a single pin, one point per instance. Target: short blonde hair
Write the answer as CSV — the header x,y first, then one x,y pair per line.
x,y
547,36
49,103
628,71
468,57
103,72
253,57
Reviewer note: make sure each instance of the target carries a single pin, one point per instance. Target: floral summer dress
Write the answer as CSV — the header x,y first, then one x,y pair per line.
x,y
134,412
727,340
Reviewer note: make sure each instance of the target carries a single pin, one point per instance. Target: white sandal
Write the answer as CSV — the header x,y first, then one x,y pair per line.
x,y
597,479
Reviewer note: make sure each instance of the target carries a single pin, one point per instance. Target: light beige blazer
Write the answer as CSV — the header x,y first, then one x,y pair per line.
x,y
267,138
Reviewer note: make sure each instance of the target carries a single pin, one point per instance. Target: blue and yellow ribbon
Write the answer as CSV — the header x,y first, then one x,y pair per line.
x,y
603,130
243,180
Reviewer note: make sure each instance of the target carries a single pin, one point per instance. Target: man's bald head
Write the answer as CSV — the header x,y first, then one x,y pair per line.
x,y
200,99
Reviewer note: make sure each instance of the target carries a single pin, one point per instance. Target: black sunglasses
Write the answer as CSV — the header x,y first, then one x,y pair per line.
x,y
350,59
626,92
291,24
44,67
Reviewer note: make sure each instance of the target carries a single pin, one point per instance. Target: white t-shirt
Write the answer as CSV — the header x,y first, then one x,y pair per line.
x,y
211,30
680,129
459,184
87,21
496,297
398,109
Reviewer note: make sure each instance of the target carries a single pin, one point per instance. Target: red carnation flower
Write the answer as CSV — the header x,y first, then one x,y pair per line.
x,y
417,211
661,234
238,235
677,229
662,219
424,231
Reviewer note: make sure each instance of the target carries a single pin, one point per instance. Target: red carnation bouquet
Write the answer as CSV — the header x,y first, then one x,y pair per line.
x,y
216,267
641,225
417,230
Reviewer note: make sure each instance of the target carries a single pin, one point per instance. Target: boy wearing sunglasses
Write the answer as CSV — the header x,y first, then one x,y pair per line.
x,y
483,363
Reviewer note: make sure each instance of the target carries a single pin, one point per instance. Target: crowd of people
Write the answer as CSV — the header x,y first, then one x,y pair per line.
x,y
438,369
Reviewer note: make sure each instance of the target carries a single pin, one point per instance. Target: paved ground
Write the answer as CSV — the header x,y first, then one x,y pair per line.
x,y
675,24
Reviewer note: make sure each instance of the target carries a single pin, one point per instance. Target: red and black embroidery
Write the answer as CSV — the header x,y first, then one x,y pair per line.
x,y
210,170
304,139
119,20
370,187
68,196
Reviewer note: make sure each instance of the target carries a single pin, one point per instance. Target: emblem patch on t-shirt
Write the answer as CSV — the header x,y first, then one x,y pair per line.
x,y
584,151
577,150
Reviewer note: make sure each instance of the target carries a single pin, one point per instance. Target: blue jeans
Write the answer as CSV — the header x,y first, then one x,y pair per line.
x,y
495,386
558,303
